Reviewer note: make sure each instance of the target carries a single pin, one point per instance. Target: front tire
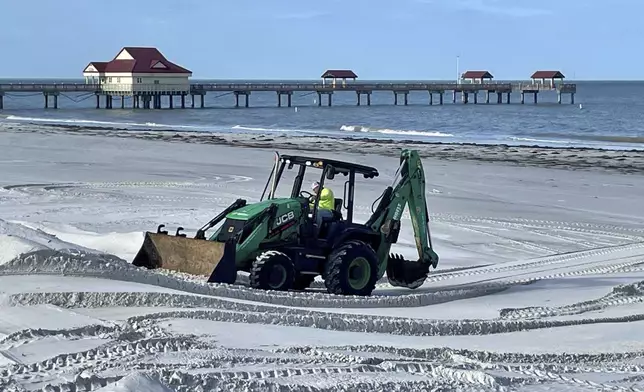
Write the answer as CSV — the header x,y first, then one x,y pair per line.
x,y
352,269
272,270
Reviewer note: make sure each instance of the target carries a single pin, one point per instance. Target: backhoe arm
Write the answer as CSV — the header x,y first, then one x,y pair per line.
x,y
408,189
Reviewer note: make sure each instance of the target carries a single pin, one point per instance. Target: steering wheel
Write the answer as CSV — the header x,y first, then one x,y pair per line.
x,y
306,194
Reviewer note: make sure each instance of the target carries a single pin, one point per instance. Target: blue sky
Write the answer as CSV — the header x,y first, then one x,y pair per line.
x,y
397,39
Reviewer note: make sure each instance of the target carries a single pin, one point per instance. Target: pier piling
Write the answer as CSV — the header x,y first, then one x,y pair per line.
x,y
329,95
359,94
46,94
289,99
405,97
431,97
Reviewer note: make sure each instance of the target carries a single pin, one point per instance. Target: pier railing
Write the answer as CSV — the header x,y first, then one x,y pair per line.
x,y
355,86
561,87
48,87
202,88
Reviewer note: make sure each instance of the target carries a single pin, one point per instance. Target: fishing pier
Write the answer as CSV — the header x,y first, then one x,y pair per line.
x,y
147,78
151,96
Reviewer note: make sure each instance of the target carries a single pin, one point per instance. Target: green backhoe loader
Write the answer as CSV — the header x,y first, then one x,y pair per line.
x,y
279,242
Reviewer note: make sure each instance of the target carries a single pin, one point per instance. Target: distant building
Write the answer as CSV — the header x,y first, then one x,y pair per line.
x,y
137,70
335,74
476,77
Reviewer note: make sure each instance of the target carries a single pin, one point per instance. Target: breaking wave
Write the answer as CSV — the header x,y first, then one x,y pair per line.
x,y
359,128
528,139
76,121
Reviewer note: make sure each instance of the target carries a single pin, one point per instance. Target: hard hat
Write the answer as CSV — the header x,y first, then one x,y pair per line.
x,y
315,185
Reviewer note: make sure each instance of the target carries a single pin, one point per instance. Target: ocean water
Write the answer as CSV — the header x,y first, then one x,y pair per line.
x,y
611,115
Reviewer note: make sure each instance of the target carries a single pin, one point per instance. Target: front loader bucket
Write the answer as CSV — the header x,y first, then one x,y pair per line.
x,y
189,255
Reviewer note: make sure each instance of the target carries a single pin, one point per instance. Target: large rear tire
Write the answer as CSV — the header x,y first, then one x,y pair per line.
x,y
352,269
272,270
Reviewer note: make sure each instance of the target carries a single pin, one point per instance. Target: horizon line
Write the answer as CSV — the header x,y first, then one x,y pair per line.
x,y
317,79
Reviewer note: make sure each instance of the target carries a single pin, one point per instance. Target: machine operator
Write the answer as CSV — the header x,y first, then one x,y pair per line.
x,y
326,204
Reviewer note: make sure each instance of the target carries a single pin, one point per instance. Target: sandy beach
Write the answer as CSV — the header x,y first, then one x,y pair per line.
x,y
538,288
572,158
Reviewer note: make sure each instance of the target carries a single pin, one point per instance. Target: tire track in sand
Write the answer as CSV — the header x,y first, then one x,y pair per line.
x,y
475,282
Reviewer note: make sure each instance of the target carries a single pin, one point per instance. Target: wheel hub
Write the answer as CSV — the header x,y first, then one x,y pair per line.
x,y
277,276
359,271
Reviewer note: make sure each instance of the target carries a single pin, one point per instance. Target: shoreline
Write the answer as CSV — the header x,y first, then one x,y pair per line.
x,y
568,158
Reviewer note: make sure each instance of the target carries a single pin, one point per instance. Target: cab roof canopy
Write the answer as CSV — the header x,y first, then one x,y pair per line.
x,y
338,166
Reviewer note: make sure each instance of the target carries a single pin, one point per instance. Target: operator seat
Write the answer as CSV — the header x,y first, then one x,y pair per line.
x,y
327,222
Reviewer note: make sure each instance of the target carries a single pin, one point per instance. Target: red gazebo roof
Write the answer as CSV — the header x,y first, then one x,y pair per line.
x,y
339,74
547,75
477,75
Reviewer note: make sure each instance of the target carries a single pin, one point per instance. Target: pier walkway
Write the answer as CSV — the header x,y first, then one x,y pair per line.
x,y
150,95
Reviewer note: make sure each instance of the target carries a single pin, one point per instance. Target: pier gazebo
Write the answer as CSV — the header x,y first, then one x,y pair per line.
x,y
547,78
476,77
141,73
136,70
335,74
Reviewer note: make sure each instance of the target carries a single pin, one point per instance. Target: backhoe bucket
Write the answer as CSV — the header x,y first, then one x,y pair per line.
x,y
406,273
189,255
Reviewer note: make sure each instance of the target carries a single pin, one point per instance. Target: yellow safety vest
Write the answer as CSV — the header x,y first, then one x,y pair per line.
x,y
327,201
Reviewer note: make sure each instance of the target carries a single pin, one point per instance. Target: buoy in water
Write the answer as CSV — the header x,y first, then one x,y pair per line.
x,y
296,109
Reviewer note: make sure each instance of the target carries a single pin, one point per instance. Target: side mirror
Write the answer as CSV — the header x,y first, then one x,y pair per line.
x,y
330,174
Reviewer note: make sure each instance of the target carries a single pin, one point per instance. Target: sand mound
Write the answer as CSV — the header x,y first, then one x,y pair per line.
x,y
137,382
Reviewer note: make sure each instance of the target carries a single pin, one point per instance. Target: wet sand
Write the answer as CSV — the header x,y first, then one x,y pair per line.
x,y
571,158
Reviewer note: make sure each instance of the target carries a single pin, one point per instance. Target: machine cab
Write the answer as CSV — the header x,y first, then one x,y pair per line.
x,y
327,171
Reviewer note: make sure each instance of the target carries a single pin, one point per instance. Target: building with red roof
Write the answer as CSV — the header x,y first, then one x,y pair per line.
x,y
547,77
138,69
335,74
476,77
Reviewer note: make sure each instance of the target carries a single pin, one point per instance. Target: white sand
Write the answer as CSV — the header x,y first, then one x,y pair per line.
x,y
554,301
